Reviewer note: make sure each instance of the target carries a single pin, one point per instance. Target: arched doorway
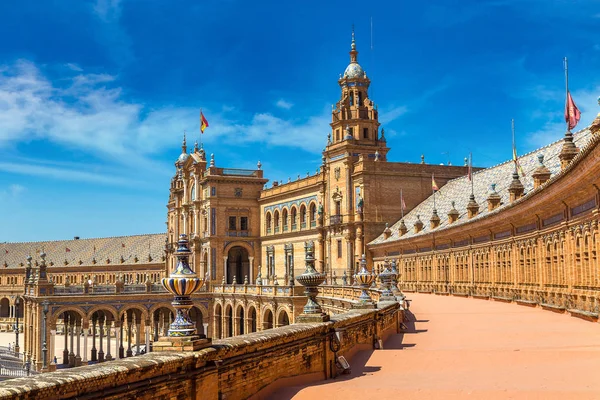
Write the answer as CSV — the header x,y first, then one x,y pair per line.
x,y
218,318
238,264
268,320
252,319
198,319
239,320
228,321
283,318
4,308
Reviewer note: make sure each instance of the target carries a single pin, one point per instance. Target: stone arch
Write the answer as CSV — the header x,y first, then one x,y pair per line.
x,y
251,318
218,320
239,319
238,263
285,218
228,320
267,318
197,316
158,306
293,217
283,317
4,307
142,310
103,307
268,222
58,313
276,220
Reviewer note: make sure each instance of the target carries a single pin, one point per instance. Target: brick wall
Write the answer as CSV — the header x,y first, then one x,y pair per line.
x,y
233,368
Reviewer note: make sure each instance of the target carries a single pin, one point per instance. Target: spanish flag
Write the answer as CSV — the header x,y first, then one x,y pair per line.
x,y
203,122
434,185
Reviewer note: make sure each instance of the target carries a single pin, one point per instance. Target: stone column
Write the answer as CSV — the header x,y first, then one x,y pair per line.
x,y
52,349
71,353
108,329
101,329
147,332
121,351
119,338
129,326
138,327
94,354
77,353
85,343
66,333
251,277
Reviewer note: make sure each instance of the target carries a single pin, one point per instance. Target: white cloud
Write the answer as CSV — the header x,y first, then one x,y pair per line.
x,y
13,191
89,112
389,115
286,105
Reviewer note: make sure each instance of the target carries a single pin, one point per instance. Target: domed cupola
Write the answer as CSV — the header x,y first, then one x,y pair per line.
x,y
354,70
184,155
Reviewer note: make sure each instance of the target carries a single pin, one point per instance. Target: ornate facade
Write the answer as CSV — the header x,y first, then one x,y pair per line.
x,y
532,238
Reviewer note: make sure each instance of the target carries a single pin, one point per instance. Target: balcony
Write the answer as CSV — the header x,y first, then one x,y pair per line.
x,y
268,231
285,228
313,224
302,225
276,229
335,219
242,233
294,227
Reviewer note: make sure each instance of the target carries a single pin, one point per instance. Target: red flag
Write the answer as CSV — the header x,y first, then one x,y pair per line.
x,y
572,113
67,249
402,201
203,122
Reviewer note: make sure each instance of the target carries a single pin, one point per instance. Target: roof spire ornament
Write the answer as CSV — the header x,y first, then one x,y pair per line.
x,y
184,144
353,41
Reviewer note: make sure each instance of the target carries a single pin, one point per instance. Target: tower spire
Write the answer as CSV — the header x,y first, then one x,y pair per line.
x,y
184,144
353,52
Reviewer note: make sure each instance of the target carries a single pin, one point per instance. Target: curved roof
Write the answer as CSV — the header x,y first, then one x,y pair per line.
x,y
459,190
85,250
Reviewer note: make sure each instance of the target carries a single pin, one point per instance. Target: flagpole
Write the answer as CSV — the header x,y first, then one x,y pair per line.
x,y
471,171
514,148
566,65
200,127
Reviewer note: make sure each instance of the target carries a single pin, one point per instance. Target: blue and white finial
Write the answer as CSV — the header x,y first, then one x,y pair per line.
x,y
353,41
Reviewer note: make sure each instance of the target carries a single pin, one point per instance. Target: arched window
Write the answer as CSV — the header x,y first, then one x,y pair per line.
x,y
360,99
302,216
293,218
193,193
276,221
313,215
351,98
284,217
269,222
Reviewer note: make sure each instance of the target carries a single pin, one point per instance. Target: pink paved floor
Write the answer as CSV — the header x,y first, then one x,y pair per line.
x,y
457,348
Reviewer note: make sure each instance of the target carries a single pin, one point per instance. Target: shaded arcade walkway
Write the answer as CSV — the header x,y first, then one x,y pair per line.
x,y
457,348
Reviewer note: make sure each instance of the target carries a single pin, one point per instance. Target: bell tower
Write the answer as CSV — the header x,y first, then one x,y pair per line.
x,y
354,118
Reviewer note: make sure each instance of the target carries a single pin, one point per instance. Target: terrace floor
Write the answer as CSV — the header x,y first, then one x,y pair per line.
x,y
463,348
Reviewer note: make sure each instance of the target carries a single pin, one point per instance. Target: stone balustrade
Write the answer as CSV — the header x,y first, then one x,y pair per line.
x,y
232,368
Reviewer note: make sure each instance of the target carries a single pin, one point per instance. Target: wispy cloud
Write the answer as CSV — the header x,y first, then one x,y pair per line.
x,y
90,112
13,191
391,114
286,105
67,174
112,34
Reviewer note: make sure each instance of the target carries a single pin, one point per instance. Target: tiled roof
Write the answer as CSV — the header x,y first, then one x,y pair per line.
x,y
459,190
85,250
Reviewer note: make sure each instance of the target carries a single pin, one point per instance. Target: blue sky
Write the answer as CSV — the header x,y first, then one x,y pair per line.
x,y
95,95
